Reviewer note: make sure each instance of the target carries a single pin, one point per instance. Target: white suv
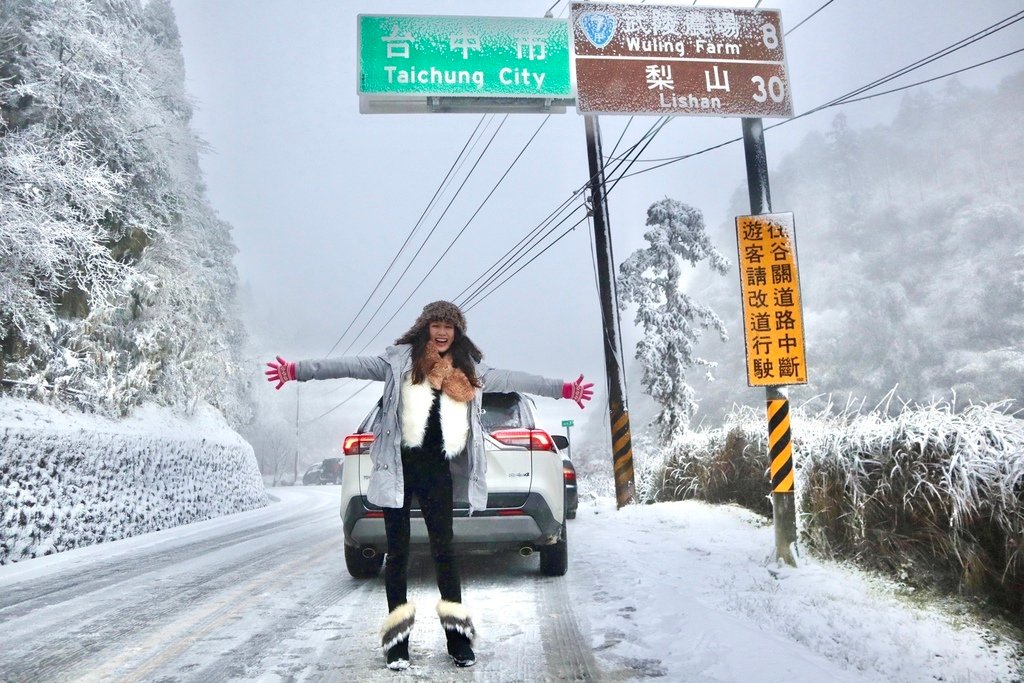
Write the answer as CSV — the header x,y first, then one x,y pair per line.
x,y
525,493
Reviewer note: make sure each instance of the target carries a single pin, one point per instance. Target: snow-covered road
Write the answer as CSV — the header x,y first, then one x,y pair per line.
x,y
265,595
675,591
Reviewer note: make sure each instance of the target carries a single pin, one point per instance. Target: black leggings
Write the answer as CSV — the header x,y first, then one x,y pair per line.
x,y
428,478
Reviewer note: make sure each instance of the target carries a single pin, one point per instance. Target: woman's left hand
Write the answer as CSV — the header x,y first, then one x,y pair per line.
x,y
578,391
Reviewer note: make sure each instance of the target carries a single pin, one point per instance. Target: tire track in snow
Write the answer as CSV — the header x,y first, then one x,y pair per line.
x,y
566,645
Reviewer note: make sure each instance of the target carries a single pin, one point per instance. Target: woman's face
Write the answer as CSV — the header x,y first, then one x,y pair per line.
x,y
442,334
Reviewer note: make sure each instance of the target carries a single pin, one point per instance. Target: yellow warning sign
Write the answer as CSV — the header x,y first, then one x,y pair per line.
x,y
772,313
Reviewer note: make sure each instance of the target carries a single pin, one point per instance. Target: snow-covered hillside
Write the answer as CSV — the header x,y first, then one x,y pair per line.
x,y
69,479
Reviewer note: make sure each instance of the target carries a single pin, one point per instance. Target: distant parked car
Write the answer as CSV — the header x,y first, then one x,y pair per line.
x,y
330,471
327,471
526,493
312,475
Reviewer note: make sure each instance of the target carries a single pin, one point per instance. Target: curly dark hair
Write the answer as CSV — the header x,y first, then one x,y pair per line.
x,y
465,355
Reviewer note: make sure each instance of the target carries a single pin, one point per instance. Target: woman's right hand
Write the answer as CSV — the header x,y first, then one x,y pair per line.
x,y
280,371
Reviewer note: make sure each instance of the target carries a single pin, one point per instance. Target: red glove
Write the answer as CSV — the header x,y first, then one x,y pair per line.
x,y
282,371
578,391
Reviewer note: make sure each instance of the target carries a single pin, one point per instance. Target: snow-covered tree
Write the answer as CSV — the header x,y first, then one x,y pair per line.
x,y
672,321
116,274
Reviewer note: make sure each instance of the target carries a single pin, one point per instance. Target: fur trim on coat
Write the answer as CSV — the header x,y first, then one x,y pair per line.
x,y
455,617
417,400
398,625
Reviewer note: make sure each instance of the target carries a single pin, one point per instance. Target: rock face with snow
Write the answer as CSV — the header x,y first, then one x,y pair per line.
x,y
70,480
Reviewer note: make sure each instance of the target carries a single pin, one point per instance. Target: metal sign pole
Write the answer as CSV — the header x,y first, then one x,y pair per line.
x,y
622,441
779,441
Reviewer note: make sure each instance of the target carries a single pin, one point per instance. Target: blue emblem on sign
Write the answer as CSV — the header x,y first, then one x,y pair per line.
x,y
598,27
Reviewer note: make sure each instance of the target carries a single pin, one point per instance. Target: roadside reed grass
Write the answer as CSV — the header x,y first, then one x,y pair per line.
x,y
930,494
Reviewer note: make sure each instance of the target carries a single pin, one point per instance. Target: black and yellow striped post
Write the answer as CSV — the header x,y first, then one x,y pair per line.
x,y
780,447
622,454
780,468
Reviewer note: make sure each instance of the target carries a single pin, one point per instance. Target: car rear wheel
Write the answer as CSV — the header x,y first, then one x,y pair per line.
x,y
554,559
362,567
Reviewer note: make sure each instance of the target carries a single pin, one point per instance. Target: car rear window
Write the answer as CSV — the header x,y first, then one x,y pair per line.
x,y
505,411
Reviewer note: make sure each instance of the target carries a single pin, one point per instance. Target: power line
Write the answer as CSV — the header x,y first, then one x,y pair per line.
x,y
409,237
612,154
817,109
625,174
450,245
649,136
398,281
805,19
464,227
935,56
504,263
472,143
503,259
936,78
350,397
470,307
850,96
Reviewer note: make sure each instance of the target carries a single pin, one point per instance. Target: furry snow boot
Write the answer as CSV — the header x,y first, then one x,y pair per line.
x,y
458,628
394,636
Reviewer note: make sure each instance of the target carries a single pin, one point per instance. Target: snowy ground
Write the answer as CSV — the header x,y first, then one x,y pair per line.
x,y
689,592
673,591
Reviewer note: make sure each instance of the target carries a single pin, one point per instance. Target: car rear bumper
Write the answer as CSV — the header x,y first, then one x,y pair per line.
x,y
530,524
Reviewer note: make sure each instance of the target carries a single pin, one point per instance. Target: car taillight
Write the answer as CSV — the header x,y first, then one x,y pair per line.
x,y
569,475
357,443
534,439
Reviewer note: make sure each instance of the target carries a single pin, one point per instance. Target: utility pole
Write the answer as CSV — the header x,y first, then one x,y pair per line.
x,y
622,441
295,477
776,397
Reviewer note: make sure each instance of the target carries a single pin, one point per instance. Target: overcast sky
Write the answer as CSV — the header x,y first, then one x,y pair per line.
x,y
322,197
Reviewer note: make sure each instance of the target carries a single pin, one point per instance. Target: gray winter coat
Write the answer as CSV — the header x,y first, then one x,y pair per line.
x,y
469,468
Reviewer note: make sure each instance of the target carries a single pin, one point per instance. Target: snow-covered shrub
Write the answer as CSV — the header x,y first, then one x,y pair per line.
x,y
932,494
725,465
931,491
70,480
648,468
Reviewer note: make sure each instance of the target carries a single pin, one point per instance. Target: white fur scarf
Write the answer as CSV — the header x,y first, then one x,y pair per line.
x,y
417,400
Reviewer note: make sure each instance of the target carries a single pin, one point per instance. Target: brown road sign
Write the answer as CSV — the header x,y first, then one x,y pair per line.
x,y
772,310
691,61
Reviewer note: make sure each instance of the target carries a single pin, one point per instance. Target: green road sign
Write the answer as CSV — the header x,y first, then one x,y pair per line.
x,y
568,423
453,56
